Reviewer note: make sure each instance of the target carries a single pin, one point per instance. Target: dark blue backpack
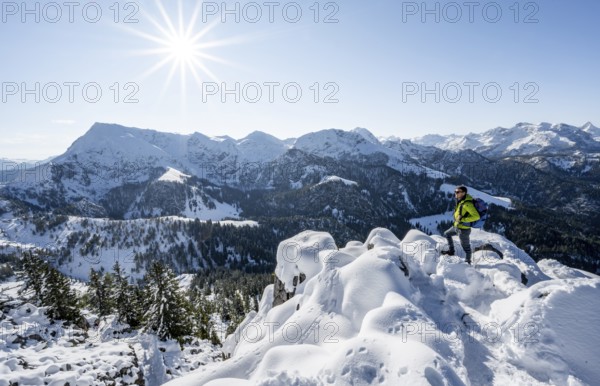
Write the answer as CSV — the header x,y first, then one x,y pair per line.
x,y
482,208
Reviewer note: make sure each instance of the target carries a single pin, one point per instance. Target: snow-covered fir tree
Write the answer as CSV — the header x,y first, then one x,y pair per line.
x,y
168,313
100,288
204,328
34,275
61,299
125,298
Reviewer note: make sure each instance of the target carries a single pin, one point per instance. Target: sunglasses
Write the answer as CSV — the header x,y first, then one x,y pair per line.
x,y
458,191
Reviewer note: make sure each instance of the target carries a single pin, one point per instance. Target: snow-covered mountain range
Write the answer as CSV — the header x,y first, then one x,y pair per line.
x,y
123,172
114,155
110,155
105,144
350,177
522,139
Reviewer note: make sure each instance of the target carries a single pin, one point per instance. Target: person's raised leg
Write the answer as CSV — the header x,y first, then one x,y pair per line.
x,y
448,235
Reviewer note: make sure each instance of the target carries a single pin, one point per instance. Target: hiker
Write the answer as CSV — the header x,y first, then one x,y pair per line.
x,y
464,212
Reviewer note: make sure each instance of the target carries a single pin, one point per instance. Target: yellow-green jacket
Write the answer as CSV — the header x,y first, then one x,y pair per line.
x,y
465,212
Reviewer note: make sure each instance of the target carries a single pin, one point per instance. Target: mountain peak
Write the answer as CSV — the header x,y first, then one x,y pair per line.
x,y
105,137
525,124
258,135
592,130
105,129
366,134
333,142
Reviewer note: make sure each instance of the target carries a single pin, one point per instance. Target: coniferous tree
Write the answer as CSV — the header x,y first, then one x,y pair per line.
x,y
35,271
204,326
128,305
214,338
169,313
108,283
100,288
60,299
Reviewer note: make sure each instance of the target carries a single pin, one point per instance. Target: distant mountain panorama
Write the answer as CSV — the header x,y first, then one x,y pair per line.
x,y
542,181
522,139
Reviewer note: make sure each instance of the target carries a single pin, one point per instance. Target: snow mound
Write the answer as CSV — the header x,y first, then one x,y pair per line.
x,y
392,312
551,333
557,270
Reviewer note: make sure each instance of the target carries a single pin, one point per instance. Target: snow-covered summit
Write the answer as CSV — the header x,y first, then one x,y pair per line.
x,y
335,143
258,146
103,141
367,135
592,130
358,144
393,312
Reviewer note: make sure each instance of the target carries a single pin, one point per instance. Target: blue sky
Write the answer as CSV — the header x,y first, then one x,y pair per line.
x,y
373,61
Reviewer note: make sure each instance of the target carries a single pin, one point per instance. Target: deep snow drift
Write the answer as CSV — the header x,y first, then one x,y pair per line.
x,y
393,312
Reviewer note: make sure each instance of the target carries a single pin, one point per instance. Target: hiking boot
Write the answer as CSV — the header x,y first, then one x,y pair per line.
x,y
448,252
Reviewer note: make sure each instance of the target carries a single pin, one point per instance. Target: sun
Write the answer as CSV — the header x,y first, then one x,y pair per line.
x,y
182,47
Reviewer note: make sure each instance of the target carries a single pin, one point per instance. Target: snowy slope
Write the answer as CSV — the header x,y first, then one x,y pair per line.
x,y
430,223
172,194
330,179
7,165
173,175
500,201
393,312
522,139
366,134
99,243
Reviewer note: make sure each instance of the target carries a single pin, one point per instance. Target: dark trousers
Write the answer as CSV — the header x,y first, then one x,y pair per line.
x,y
463,235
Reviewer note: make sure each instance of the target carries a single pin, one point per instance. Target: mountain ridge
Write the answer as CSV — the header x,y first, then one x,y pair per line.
x,y
521,139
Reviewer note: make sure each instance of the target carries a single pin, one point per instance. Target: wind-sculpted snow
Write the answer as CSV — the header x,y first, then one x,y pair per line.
x,y
554,334
393,312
